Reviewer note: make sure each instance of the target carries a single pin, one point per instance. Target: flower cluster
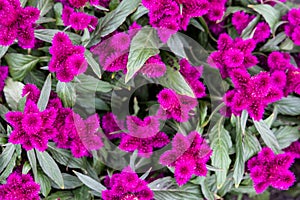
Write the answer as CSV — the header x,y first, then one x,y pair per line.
x,y
292,29
113,54
233,54
78,20
143,135
17,23
126,186
294,149
188,155
253,93
3,76
174,105
192,76
240,21
170,16
112,127
67,59
19,186
267,169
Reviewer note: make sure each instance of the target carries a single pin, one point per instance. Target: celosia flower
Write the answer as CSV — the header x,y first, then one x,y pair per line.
x,y
32,128
267,169
78,3
293,149
272,3
143,135
292,28
192,76
67,60
252,93
104,3
3,76
240,20
32,92
262,32
17,23
188,155
154,67
175,106
278,61
19,186
126,186
111,125
293,81
233,54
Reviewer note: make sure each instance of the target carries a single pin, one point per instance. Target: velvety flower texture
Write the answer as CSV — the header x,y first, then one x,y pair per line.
x,y
192,75
32,128
188,155
3,76
267,169
110,125
174,105
17,23
126,186
240,20
67,59
78,20
252,93
292,29
19,186
293,149
233,54
154,67
143,135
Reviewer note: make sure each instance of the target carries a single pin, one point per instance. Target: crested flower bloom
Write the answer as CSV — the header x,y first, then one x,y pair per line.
x,y
188,155
278,61
240,20
78,3
192,76
262,32
143,135
78,20
174,105
126,186
32,128
67,59
268,169
112,127
292,29
294,149
19,186
233,54
154,67
252,93
17,23
3,76
293,81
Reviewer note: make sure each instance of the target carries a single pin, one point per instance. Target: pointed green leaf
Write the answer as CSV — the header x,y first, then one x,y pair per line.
x,y
45,94
13,93
90,182
6,156
93,63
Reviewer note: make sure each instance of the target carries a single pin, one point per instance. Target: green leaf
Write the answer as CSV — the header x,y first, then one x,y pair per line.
x,y
50,168
208,194
177,44
48,34
6,156
251,145
58,7
70,182
113,20
233,9
174,80
66,92
13,93
44,6
62,195
45,94
3,50
220,144
272,44
289,106
9,168
270,14
196,24
143,46
286,135
267,135
26,168
287,45
142,10
23,3
32,160
248,31
20,64
93,63
167,189
91,183
44,182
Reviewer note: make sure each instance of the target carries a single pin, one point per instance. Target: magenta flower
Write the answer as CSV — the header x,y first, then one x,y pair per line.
x,y
252,93
3,76
154,67
19,186
192,76
188,155
175,106
143,135
67,59
126,186
267,169
232,55
32,128
240,20
292,28
293,81
32,92
104,3
110,125
293,149
17,23
278,61
262,32
78,3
